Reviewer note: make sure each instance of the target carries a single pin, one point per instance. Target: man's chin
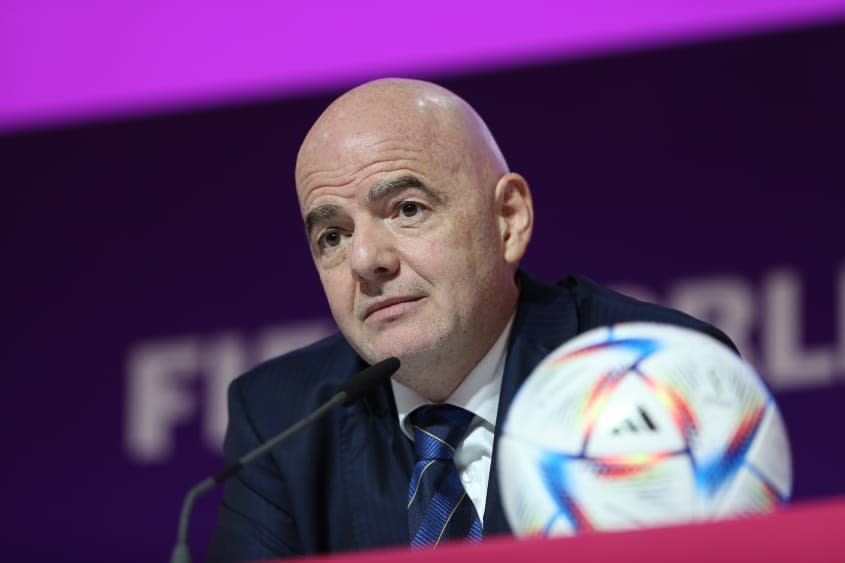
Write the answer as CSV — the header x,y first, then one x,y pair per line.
x,y
411,352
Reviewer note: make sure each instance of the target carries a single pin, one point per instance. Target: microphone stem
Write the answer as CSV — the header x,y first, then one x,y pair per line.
x,y
229,471
180,552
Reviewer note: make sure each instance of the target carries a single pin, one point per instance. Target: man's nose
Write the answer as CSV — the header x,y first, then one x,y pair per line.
x,y
374,253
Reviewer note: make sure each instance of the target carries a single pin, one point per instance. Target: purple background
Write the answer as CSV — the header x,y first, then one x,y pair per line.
x,y
723,158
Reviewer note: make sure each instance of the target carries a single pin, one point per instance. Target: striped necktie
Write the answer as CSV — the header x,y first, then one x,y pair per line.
x,y
438,506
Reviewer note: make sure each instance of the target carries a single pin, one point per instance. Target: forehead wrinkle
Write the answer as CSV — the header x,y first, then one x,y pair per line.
x,y
387,188
346,172
358,158
341,176
316,182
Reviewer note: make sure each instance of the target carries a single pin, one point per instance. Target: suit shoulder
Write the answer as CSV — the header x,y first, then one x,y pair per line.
x,y
600,306
304,376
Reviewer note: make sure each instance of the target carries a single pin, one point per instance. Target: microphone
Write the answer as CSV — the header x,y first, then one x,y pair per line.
x,y
352,390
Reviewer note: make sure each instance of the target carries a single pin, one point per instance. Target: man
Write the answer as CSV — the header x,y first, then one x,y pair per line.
x,y
416,227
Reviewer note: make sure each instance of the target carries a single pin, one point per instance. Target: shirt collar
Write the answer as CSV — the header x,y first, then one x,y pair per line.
x,y
477,393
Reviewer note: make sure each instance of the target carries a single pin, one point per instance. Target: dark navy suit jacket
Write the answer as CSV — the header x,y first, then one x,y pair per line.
x,y
343,483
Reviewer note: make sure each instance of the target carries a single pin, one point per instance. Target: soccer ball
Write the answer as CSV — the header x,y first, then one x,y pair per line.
x,y
638,425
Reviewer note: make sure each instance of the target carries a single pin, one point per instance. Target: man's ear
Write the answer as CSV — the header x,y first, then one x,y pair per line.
x,y
515,215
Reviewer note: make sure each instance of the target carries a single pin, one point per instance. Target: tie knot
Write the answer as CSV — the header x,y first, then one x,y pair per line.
x,y
438,429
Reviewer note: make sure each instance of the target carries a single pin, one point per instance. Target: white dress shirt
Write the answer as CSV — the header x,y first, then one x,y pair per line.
x,y
479,394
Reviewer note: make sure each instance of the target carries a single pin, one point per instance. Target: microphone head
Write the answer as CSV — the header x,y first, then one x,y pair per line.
x,y
365,380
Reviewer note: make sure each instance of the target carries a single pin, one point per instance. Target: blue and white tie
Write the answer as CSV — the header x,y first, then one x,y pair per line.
x,y
438,506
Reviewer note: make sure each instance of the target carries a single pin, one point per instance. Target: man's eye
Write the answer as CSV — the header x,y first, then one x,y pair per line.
x,y
409,209
330,239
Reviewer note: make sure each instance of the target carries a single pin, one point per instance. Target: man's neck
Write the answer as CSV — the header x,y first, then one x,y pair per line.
x,y
436,381
476,393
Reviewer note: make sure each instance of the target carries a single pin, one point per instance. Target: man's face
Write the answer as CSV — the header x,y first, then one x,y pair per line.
x,y
407,245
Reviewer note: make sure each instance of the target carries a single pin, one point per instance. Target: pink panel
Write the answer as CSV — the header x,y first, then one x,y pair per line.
x,y
67,61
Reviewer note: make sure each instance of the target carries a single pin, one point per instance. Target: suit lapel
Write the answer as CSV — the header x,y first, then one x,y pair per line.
x,y
545,319
378,459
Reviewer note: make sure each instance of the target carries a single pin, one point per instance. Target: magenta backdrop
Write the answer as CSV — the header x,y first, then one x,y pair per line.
x,y
64,62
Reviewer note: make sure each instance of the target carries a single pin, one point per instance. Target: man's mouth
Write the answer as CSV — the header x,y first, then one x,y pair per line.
x,y
390,307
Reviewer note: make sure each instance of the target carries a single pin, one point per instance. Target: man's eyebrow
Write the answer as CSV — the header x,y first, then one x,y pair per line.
x,y
320,214
387,188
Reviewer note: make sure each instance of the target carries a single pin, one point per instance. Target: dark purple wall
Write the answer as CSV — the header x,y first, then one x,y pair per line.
x,y
150,261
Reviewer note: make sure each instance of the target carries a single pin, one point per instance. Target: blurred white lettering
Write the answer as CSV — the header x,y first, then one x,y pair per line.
x,y
157,395
787,364
165,377
224,358
726,302
772,311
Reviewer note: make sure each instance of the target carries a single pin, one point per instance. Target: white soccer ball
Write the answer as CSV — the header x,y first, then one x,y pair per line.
x,y
639,425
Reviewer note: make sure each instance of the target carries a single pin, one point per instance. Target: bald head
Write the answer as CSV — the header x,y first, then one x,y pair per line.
x,y
394,115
